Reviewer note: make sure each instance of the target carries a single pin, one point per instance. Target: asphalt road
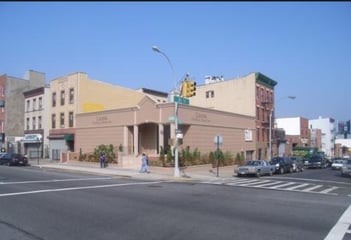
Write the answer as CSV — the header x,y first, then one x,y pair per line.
x,y
46,204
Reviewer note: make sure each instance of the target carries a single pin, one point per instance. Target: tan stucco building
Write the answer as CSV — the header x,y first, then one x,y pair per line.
x,y
148,126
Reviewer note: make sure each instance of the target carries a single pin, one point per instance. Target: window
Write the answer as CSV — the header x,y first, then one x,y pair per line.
x,y
39,122
53,121
62,120
33,123
62,97
40,103
27,123
70,124
210,94
54,99
71,96
28,105
34,104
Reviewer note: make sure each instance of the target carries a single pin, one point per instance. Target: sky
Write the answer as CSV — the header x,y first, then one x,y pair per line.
x,y
304,46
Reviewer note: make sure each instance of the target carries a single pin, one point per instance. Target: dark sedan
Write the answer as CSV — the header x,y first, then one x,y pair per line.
x,y
11,159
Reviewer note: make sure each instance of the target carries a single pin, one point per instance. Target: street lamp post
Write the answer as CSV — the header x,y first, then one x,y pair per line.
x,y
270,127
175,93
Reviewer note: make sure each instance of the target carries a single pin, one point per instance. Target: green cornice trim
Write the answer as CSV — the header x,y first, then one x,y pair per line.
x,y
264,80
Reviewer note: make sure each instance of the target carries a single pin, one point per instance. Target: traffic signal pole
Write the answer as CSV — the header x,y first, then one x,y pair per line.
x,y
176,157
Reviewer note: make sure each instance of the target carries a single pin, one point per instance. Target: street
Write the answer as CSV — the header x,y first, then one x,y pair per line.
x,y
47,204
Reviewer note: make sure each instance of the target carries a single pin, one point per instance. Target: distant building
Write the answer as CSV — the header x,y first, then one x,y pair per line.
x,y
297,134
12,106
328,129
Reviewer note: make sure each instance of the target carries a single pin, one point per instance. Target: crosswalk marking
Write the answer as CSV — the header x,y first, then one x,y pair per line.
x,y
312,188
328,190
276,185
252,183
283,185
298,186
269,184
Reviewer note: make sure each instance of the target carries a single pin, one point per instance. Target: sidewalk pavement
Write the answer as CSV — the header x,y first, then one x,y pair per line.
x,y
193,173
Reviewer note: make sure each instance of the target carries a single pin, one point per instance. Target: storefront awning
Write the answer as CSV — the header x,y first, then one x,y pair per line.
x,y
69,137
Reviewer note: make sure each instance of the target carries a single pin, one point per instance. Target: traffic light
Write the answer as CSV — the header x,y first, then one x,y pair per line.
x,y
188,88
192,88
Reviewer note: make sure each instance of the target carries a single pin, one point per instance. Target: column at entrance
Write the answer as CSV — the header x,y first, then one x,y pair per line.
x,y
136,139
125,140
160,137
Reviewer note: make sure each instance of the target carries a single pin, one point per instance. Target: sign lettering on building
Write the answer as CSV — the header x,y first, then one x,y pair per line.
x,y
200,117
101,120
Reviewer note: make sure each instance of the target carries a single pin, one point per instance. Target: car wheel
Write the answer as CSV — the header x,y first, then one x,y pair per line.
x,y
258,174
238,175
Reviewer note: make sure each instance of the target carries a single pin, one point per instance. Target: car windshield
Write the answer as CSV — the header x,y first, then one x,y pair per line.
x,y
253,163
276,160
316,159
339,161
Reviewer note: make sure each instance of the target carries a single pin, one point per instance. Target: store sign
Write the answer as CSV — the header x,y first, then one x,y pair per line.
x,y
32,137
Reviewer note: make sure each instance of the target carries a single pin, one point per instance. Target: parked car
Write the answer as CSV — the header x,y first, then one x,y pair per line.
x,y
10,159
317,161
337,163
346,168
282,164
255,167
298,164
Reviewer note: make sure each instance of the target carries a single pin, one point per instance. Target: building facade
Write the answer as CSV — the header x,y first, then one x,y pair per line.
x,y
252,95
75,93
12,107
35,143
297,134
328,129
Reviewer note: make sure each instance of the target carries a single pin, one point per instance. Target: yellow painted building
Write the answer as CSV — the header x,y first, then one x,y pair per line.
x,y
76,93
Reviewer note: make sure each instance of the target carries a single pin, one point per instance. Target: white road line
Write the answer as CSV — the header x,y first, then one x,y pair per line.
x,y
328,190
253,183
269,184
297,186
312,188
78,188
341,227
56,180
283,185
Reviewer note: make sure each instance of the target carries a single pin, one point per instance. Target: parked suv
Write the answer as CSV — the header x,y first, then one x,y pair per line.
x,y
317,161
282,164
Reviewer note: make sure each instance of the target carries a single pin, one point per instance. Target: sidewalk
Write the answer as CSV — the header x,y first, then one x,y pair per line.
x,y
193,173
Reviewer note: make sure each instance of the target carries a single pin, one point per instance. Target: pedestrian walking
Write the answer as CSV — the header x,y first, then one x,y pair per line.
x,y
144,165
102,159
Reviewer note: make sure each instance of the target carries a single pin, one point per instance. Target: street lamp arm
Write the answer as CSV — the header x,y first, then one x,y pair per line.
x,y
156,49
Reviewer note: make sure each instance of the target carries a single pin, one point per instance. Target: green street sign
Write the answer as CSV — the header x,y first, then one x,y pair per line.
x,y
181,100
